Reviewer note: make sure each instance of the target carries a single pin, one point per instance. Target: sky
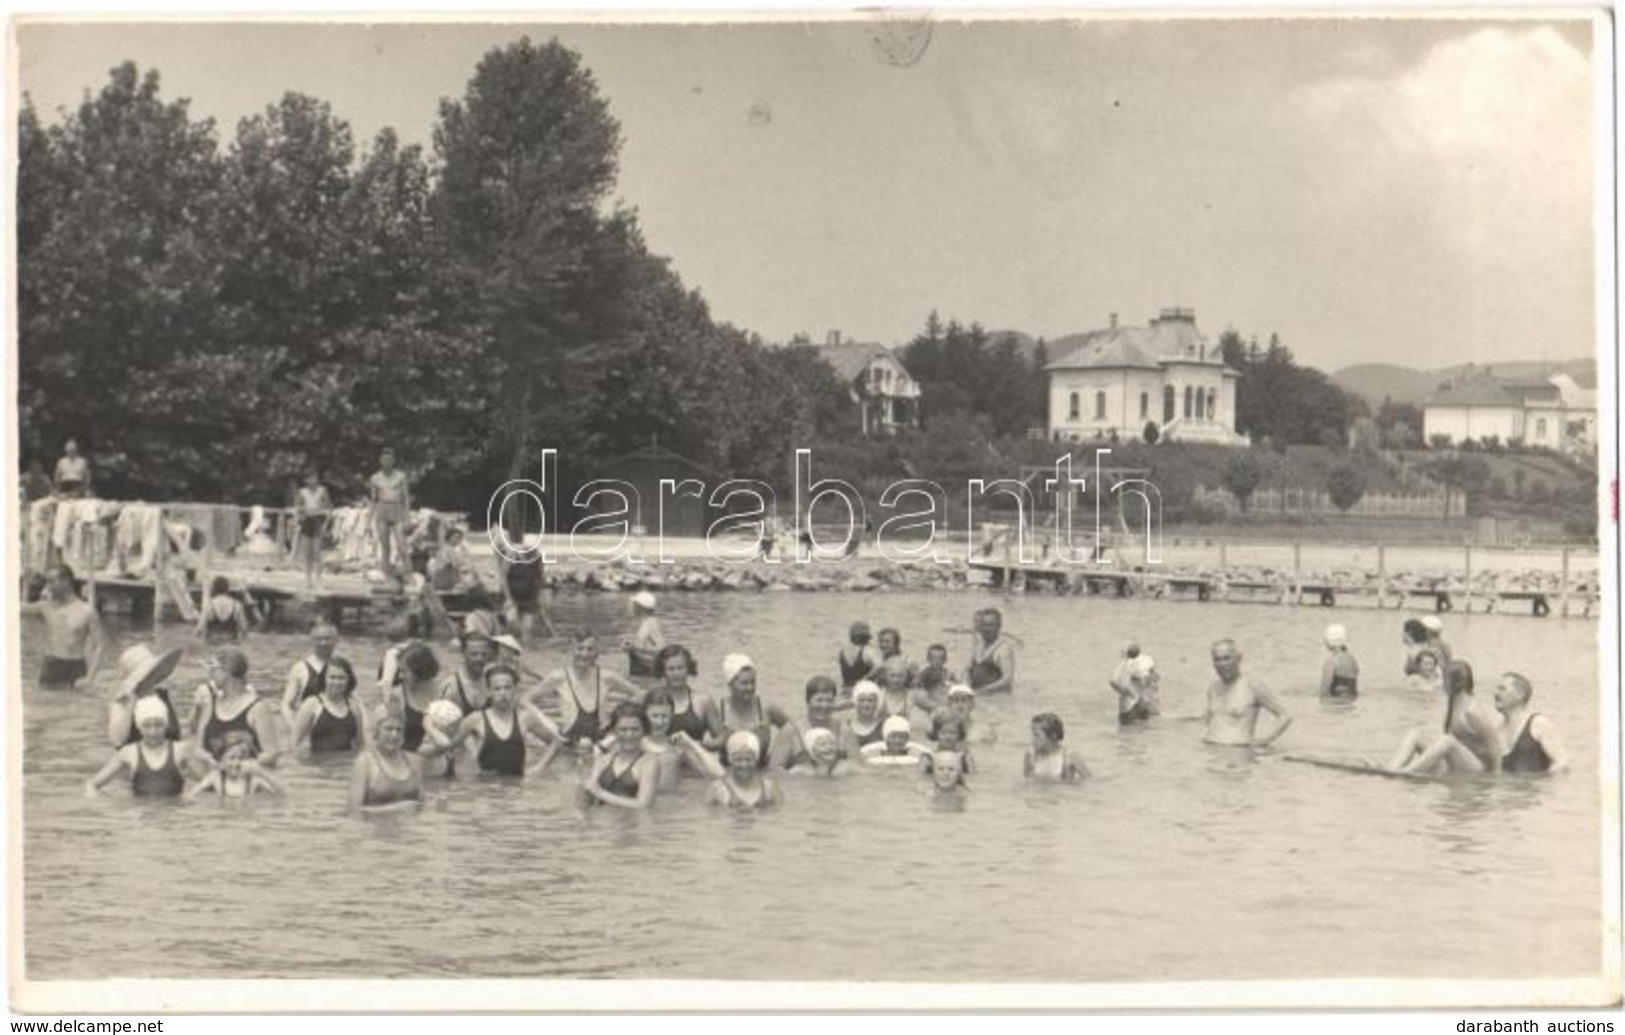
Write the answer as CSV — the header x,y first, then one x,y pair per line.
x,y
1372,190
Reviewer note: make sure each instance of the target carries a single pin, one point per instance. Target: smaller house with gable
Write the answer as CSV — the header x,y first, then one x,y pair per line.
x,y
1553,412
887,395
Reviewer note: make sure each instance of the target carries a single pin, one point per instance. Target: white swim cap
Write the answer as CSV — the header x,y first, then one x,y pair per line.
x,y
818,739
150,708
895,724
1433,623
744,743
734,664
1336,636
644,599
1141,666
961,690
866,688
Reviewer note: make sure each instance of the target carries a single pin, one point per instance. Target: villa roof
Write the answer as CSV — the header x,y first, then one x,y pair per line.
x,y
851,359
1172,337
1481,390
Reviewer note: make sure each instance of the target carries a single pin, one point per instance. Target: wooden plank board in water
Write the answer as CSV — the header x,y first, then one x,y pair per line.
x,y
1355,765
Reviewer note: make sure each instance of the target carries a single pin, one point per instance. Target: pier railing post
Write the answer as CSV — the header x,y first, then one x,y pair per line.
x,y
1467,603
158,575
1563,587
1297,572
1382,575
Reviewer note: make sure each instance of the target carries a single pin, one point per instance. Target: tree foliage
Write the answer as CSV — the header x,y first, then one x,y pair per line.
x,y
963,373
1243,473
1345,485
1284,402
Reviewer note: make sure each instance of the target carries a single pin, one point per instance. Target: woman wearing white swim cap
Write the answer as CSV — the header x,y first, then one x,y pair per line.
x,y
743,785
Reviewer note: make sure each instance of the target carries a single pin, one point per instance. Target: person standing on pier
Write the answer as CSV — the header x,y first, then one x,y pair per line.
x,y
72,472
391,503
73,634
312,509
993,659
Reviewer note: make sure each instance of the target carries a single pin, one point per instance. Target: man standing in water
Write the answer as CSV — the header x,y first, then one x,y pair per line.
x,y
993,659
73,634
391,502
1234,701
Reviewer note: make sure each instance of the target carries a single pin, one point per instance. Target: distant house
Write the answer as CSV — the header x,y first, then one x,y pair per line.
x,y
1115,381
887,396
1555,412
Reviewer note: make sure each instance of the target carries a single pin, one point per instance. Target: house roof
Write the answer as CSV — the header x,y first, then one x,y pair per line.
x,y
1171,337
1479,390
851,359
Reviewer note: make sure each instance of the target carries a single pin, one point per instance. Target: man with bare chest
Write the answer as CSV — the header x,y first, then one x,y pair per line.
x,y
73,634
1234,701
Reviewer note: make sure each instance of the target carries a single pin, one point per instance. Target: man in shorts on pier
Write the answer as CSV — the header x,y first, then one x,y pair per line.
x,y
391,502
73,634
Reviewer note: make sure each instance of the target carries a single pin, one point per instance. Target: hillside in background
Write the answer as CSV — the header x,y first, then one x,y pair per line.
x,y
1376,381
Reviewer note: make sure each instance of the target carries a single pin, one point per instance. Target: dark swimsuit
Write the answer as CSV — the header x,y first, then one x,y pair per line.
x,y
763,731
986,671
174,731
688,721
1141,712
854,672
504,756
585,725
215,730
1343,686
1527,755
218,628
412,733
164,782
315,679
332,733
624,785
874,736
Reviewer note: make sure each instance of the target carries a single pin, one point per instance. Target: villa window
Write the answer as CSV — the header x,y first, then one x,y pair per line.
x,y
1167,403
1212,403
1540,427
1100,406
1074,409
1187,402
1145,405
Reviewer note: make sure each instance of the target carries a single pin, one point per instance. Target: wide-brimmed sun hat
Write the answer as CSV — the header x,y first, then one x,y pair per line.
x,y
143,668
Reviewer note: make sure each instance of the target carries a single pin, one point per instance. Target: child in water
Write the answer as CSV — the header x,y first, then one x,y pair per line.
x,y
949,735
1340,675
898,747
944,773
238,775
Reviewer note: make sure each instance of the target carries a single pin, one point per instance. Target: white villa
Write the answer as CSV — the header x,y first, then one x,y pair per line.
x,y
1555,412
1118,379
887,396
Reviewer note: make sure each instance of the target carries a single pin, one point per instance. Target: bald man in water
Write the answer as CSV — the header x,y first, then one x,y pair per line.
x,y
1234,701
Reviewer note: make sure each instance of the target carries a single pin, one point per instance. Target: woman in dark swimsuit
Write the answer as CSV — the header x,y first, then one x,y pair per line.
x,y
742,710
385,774
222,616
156,763
236,706
331,722
1532,745
498,730
627,775
690,708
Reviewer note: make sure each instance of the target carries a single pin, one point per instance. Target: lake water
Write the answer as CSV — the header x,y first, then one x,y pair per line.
x,y
1179,862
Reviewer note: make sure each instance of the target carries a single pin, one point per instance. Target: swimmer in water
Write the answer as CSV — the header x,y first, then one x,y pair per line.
x,y
1234,702
331,722
936,677
895,696
1530,743
961,706
821,754
741,709
1137,684
386,774
627,776
862,728
1426,674
658,707
898,747
157,765
238,775
495,734
948,734
1340,674
993,659
1049,758
1470,741
744,785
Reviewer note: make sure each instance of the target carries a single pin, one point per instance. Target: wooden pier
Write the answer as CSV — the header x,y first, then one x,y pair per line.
x,y
276,596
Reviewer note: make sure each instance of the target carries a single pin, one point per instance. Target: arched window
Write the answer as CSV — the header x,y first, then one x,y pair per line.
x,y
1074,408
1167,403
1187,402
1100,406
1212,403
1145,405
